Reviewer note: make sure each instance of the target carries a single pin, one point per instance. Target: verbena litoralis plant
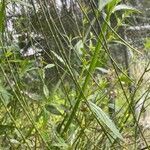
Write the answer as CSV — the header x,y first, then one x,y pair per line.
x,y
57,98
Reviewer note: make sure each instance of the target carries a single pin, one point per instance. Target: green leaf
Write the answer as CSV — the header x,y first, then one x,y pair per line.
x,y
147,43
58,57
7,54
78,47
33,96
46,91
2,15
52,109
14,141
5,94
125,7
103,3
49,66
103,70
103,118
124,78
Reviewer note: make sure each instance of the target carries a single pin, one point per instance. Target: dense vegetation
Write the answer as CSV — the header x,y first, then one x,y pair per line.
x,y
74,75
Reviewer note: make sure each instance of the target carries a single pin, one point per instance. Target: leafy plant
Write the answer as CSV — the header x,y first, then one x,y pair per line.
x,y
60,85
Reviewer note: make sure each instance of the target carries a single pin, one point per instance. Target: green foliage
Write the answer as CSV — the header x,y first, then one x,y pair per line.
x,y
147,44
2,15
71,93
102,117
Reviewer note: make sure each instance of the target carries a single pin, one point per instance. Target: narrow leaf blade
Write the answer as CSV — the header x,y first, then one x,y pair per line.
x,y
103,118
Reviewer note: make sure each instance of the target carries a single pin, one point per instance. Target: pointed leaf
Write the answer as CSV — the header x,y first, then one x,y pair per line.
x,y
2,15
103,70
125,7
58,57
103,3
46,91
103,118
52,109
49,66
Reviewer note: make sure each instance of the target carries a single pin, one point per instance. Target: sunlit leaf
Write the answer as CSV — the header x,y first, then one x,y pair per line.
x,y
14,141
103,70
124,78
78,47
46,91
125,7
33,96
49,66
103,118
147,43
103,3
58,57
